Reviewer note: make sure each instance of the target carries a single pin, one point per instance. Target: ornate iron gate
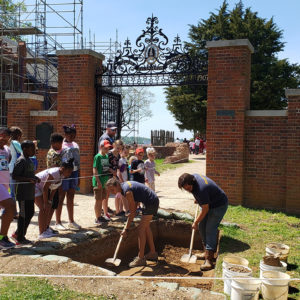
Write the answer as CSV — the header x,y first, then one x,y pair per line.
x,y
108,108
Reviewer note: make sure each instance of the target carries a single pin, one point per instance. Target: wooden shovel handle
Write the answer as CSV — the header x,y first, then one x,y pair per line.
x,y
119,243
193,231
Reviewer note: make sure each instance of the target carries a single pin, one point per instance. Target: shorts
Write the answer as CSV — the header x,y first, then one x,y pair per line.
x,y
150,210
71,182
151,185
4,194
38,192
99,193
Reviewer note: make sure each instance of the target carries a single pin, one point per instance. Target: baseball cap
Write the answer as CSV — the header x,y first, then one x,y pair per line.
x,y
139,150
111,125
106,144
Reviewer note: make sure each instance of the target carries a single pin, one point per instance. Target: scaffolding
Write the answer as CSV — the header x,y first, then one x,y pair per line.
x,y
30,33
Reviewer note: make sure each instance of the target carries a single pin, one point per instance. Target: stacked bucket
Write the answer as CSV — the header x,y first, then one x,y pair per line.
x,y
273,282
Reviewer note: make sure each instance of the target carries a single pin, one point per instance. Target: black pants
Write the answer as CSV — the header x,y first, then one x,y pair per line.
x,y
25,215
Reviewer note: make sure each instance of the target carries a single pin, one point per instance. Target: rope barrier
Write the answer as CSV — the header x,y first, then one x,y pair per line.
x,y
139,277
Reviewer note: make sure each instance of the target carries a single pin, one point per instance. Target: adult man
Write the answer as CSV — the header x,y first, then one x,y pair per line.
x,y
214,203
109,134
197,145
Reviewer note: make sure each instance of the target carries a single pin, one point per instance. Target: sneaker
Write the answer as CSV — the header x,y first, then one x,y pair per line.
x,y
151,256
14,237
107,217
137,262
24,242
50,231
6,244
74,226
97,221
102,219
110,210
46,235
53,230
120,214
60,227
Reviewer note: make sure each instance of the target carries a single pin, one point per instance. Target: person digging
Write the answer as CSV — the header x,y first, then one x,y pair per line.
x,y
214,203
136,192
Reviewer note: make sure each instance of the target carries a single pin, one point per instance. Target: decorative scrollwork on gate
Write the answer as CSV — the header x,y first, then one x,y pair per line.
x,y
153,62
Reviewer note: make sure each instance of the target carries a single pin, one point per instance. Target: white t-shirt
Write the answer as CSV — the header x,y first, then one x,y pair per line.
x,y
71,150
43,175
4,169
197,142
123,165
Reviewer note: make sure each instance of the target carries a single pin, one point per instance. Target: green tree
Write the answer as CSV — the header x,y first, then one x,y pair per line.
x,y
270,76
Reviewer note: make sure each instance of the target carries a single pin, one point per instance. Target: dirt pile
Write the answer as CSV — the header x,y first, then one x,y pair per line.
x,y
180,155
271,260
238,269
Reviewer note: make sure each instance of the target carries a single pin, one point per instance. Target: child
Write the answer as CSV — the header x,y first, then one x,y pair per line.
x,y
6,201
23,173
50,180
150,169
123,176
70,150
137,166
131,159
16,152
114,157
101,170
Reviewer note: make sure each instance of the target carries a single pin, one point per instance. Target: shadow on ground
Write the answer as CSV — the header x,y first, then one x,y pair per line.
x,y
228,244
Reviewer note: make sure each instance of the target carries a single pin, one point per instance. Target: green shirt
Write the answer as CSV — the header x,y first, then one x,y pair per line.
x,y
101,163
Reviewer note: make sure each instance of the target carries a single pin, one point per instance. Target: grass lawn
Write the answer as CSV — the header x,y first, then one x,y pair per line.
x,y
259,227
161,167
32,288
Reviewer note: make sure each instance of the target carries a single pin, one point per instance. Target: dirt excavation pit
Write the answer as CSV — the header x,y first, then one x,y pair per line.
x,y
172,240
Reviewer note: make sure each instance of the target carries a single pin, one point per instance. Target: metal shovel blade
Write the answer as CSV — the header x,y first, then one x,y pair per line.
x,y
187,258
113,262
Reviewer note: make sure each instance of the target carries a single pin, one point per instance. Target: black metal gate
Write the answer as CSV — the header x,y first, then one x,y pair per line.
x,y
108,108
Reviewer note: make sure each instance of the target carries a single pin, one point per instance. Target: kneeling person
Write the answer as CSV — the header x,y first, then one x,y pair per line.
x,y
214,203
136,192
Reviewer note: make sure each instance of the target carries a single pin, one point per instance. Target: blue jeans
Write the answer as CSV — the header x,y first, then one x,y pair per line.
x,y
208,227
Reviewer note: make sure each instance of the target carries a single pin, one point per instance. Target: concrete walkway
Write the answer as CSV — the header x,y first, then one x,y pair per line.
x,y
171,197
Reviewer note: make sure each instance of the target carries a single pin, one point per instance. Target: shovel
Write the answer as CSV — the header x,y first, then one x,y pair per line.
x,y
116,261
189,258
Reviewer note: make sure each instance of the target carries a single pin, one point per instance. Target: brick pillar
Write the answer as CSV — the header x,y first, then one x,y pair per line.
x,y
228,97
293,152
19,106
76,102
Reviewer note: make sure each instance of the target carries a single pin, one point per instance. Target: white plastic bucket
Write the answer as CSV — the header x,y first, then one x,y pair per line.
x,y
281,249
263,267
227,274
245,289
235,260
275,289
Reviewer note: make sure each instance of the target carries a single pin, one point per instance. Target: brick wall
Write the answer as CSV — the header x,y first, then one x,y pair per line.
x,y
76,102
293,152
228,97
265,161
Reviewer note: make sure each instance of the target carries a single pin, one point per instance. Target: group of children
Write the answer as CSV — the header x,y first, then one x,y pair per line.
x,y
47,189
111,161
19,182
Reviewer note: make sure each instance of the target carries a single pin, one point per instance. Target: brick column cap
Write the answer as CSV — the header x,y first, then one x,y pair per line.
x,y
230,43
292,92
27,96
81,52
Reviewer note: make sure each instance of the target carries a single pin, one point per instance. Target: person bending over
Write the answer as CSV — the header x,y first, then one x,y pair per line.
x,y
213,202
136,192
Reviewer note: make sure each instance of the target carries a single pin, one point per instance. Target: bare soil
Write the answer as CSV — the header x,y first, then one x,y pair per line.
x,y
272,261
169,264
238,269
